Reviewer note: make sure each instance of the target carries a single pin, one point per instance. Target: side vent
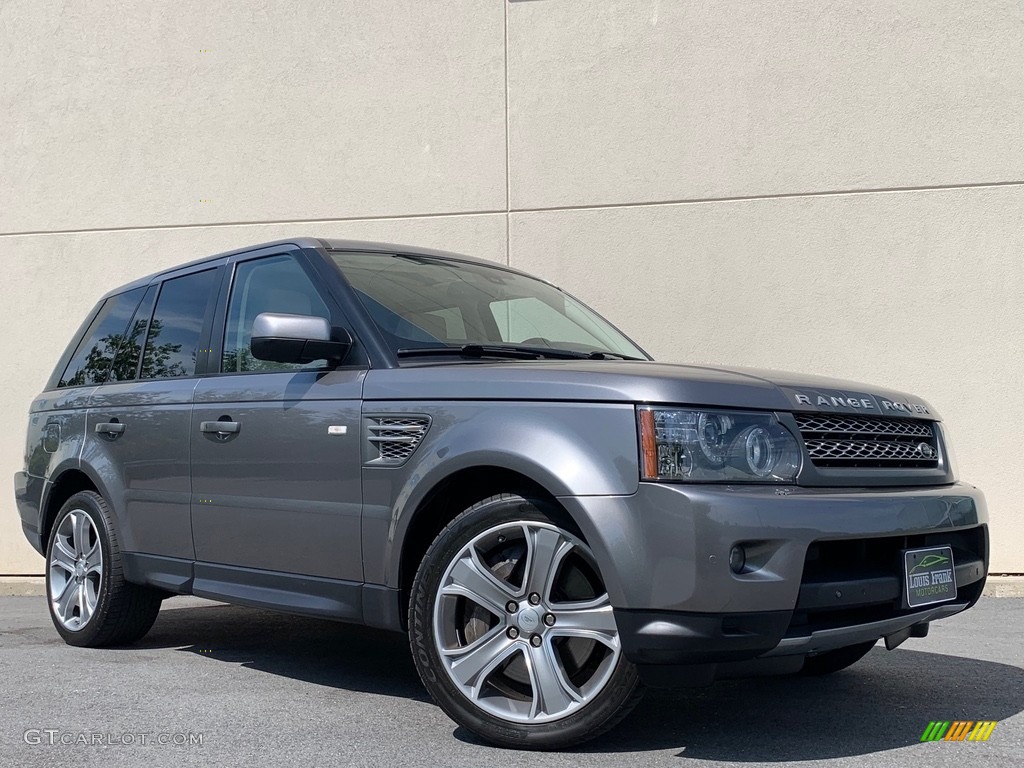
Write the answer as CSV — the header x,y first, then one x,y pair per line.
x,y
394,438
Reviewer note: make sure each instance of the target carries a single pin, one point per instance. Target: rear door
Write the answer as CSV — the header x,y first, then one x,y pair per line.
x,y
280,496
137,434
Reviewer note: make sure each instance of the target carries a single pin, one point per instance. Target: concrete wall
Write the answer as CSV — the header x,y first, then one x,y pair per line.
x,y
834,187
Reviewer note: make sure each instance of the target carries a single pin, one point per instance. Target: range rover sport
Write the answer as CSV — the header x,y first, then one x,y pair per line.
x,y
428,443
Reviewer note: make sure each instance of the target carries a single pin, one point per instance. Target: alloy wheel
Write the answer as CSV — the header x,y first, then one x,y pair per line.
x,y
76,570
523,623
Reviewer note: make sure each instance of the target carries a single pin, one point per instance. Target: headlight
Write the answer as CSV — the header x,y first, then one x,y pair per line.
x,y
715,446
952,465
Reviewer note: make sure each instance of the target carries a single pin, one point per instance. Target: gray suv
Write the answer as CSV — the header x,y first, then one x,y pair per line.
x,y
429,443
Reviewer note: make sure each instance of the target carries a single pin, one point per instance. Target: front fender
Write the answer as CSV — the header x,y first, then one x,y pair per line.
x,y
569,449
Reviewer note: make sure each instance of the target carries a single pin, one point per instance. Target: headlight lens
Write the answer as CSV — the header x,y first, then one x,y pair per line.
x,y
952,465
715,446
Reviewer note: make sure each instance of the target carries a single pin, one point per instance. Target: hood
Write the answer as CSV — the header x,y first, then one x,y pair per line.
x,y
639,382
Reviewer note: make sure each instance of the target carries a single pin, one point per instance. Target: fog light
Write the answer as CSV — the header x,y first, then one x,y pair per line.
x,y
737,559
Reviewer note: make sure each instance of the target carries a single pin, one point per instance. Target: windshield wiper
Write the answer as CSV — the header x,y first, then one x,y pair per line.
x,y
510,351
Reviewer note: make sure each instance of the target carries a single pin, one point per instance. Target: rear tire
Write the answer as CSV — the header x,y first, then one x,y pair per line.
x,y
90,602
832,661
512,631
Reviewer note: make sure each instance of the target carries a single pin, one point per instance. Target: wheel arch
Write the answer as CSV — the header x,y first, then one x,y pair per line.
x,y
65,482
444,501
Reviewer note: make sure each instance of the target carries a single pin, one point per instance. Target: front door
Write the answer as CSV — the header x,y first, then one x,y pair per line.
x,y
276,493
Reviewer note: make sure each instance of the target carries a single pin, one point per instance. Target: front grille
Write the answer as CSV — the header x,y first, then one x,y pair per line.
x,y
868,442
394,438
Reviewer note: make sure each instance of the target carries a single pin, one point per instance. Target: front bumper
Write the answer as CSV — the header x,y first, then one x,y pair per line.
x,y
824,565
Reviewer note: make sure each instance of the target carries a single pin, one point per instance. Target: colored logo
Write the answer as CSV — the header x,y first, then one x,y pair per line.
x,y
958,730
928,561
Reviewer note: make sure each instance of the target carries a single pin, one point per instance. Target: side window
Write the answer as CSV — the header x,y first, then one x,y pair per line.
x,y
172,343
273,284
126,362
92,360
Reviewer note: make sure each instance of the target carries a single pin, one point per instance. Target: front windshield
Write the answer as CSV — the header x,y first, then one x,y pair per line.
x,y
418,301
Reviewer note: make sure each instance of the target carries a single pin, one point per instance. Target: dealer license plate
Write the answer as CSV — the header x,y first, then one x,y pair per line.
x,y
929,576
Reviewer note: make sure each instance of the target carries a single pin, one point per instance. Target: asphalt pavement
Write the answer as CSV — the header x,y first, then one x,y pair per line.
x,y
217,685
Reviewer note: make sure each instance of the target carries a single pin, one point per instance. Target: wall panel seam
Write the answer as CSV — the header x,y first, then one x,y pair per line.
x,y
542,209
255,223
777,196
508,155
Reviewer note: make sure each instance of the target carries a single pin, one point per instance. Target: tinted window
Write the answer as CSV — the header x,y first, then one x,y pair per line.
x,y
423,301
524,320
126,362
173,340
275,284
92,359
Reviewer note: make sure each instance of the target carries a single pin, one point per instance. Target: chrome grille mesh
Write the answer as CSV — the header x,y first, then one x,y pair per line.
x,y
856,425
867,442
394,438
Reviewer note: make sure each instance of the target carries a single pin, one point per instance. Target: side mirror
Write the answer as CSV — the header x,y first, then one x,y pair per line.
x,y
282,338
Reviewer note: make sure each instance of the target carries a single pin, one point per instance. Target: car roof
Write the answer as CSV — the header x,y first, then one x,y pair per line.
x,y
330,244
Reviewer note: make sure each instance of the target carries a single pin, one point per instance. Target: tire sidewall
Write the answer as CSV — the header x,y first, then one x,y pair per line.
x,y
87,502
581,724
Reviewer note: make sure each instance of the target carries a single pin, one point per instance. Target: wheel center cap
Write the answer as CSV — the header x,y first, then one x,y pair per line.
x,y
528,619
79,569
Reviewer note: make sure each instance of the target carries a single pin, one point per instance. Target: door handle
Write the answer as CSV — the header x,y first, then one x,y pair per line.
x,y
220,427
111,428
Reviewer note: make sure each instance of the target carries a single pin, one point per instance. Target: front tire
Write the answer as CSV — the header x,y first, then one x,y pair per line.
x,y
512,630
90,602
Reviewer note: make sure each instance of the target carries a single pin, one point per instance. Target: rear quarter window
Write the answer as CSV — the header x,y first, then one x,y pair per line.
x,y
91,362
